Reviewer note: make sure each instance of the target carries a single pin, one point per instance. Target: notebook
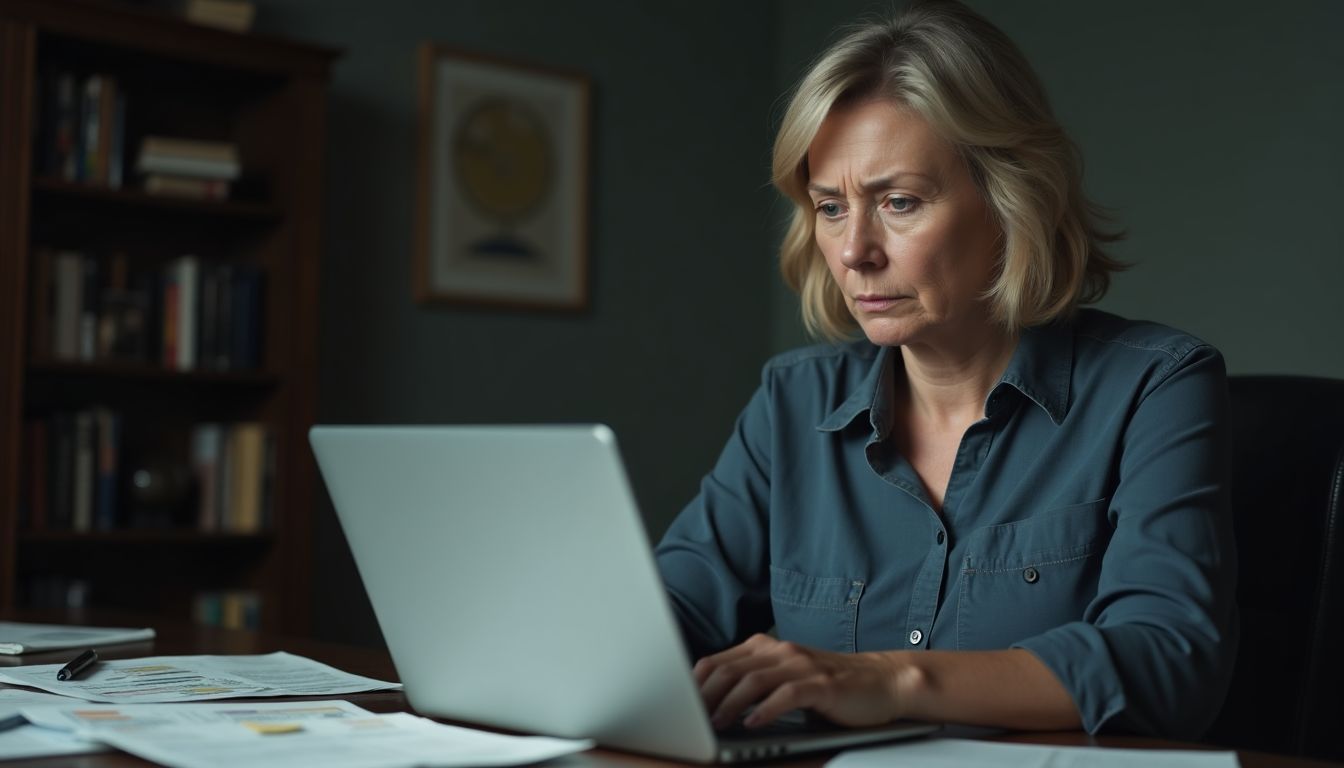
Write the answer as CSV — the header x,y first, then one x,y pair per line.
x,y
514,584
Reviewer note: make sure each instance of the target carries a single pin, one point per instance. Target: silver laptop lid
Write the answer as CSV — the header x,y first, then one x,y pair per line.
x,y
513,582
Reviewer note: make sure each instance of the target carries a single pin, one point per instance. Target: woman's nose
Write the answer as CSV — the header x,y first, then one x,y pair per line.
x,y
863,245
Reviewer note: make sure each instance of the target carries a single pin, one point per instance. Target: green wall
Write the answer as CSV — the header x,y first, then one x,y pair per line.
x,y
680,319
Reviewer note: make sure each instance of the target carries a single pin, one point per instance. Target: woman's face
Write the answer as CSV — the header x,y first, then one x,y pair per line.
x,y
904,230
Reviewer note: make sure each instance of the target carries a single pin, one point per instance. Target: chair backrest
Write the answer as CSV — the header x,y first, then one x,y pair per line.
x,y
1287,693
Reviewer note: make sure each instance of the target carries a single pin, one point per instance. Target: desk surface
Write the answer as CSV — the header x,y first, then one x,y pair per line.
x,y
185,639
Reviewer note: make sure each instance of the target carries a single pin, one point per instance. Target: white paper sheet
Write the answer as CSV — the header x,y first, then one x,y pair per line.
x,y
29,741
19,637
385,741
196,678
90,719
963,753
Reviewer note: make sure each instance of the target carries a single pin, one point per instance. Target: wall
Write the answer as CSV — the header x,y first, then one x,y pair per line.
x,y
1211,130
680,322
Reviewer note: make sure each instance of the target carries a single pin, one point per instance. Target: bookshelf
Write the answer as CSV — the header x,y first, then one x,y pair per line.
x,y
157,348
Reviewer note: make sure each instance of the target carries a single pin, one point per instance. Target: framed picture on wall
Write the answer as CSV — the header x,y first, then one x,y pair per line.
x,y
503,183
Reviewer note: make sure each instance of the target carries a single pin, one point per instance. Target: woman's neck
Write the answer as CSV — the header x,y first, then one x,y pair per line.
x,y
949,385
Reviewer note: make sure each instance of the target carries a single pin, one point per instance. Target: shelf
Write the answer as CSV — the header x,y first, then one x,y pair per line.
x,y
145,373
269,99
130,198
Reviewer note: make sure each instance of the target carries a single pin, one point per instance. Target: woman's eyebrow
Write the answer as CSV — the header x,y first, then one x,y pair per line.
x,y
878,183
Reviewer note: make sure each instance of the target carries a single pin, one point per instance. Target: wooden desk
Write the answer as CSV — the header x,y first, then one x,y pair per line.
x,y
184,639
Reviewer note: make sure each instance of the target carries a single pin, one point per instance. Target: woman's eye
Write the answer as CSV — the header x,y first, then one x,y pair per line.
x,y
902,204
829,210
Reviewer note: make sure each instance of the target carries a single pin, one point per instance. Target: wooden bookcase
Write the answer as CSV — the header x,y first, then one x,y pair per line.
x,y
265,96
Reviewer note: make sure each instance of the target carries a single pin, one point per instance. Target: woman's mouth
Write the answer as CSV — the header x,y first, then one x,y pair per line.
x,y
873,303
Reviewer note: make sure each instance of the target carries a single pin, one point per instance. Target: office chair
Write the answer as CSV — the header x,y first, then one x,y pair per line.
x,y
1287,692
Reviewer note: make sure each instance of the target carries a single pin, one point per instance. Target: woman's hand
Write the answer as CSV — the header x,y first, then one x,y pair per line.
x,y
777,676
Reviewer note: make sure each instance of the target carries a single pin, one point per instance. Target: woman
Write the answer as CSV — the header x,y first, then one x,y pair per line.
x,y
995,508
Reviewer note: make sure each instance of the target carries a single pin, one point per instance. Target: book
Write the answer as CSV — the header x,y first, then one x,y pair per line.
x,y
234,15
116,152
191,149
245,475
210,160
88,311
181,296
21,637
85,467
187,186
246,318
67,304
59,124
207,456
107,464
90,112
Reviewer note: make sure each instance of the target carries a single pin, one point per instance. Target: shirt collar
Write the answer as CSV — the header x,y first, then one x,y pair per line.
x,y
1040,369
873,394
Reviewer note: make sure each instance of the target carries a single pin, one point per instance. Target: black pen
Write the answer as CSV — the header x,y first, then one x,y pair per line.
x,y
77,665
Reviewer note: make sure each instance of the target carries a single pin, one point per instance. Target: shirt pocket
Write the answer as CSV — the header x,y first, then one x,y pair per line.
x,y
1023,578
819,612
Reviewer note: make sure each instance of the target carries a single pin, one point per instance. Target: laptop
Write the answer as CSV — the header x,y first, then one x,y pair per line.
x,y
513,581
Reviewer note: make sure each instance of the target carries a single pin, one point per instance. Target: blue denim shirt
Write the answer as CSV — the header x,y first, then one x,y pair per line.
x,y
1086,520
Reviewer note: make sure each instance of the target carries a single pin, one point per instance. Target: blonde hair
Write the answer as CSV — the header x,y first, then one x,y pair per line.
x,y
967,79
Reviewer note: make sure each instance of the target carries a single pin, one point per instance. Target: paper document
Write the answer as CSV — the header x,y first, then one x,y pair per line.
x,y
964,753
29,741
90,719
16,637
384,741
159,679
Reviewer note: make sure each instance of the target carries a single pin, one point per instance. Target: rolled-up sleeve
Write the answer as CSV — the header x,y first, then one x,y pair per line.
x,y
1154,650
714,558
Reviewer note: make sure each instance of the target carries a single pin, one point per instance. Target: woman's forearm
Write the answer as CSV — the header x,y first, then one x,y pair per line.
x,y
1006,689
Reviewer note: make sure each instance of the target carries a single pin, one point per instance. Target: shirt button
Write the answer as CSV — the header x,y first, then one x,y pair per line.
x,y
916,636
940,537
1031,575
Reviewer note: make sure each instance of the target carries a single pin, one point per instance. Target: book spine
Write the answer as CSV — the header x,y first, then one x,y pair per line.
x,y
206,451
170,324
247,456
65,129
88,313
188,166
90,111
188,298
109,456
107,116
69,302
116,156
247,320
208,327
84,470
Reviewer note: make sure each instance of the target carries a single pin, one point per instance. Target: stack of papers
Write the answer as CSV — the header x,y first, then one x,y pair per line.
x,y
210,734
158,679
16,638
329,733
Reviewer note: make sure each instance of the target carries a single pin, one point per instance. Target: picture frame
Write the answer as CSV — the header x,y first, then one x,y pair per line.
x,y
502,198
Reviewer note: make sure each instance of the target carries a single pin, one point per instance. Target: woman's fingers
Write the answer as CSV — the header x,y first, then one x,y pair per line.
x,y
776,676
